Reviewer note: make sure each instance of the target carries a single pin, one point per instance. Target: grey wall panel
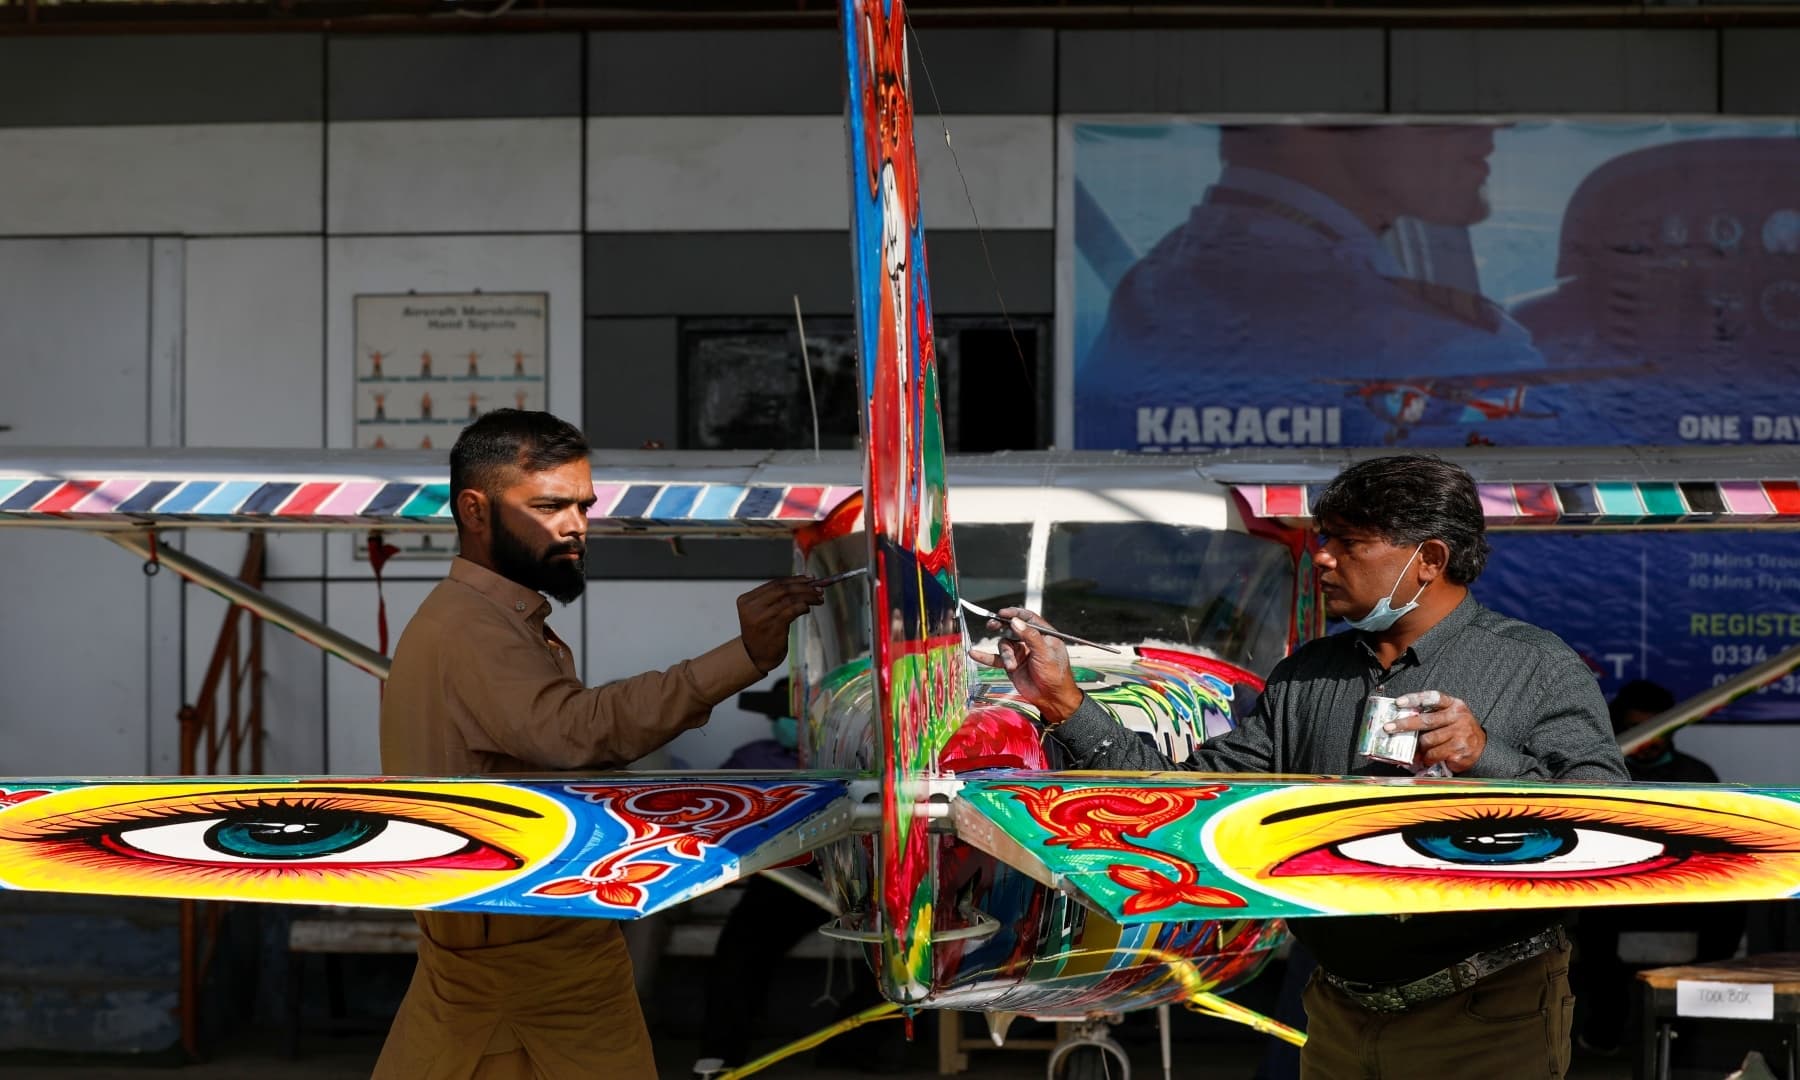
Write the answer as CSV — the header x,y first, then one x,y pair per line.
x,y
715,72
1759,72
1555,71
455,77
989,72
202,79
743,273
801,72
1123,71
630,373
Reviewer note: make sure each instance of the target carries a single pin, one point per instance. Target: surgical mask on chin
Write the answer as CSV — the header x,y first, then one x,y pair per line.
x,y
787,732
1384,614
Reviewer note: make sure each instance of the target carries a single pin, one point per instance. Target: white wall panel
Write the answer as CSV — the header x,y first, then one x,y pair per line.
x,y
679,173
650,174
254,375
293,677
74,341
638,626
428,264
74,369
73,634
1010,164
446,176
1761,754
178,179
353,699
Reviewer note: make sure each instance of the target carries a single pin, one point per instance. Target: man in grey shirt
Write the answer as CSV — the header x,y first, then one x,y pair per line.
x,y
1474,995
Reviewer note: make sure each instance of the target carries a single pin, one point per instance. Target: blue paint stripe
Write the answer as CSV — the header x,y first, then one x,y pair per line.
x,y
191,495
229,497
430,499
675,502
718,502
636,500
148,496
267,498
389,499
9,485
31,494
760,502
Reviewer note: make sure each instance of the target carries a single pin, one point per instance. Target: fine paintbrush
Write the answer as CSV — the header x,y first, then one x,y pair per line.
x,y
977,609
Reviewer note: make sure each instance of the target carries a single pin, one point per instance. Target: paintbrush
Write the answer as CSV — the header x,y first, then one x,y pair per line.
x,y
820,583
977,609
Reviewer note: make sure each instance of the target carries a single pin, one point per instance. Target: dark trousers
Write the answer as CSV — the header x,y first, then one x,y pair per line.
x,y
1512,1025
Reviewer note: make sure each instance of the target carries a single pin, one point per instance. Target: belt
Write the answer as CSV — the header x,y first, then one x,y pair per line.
x,y
1459,976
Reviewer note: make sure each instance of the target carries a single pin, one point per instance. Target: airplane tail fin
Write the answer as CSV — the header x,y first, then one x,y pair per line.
x,y
917,654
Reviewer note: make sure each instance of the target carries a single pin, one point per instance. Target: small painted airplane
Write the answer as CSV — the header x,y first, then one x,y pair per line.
x,y
1408,402
977,874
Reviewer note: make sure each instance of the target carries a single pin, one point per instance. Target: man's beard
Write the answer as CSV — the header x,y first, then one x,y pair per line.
x,y
561,579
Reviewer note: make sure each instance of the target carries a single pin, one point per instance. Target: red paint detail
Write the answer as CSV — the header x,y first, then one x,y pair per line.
x,y
1223,669
14,798
1284,500
64,498
842,521
1784,494
308,499
1537,500
1154,892
995,737
801,502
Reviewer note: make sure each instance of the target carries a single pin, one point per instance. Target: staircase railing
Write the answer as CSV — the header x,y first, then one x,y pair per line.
x,y
232,688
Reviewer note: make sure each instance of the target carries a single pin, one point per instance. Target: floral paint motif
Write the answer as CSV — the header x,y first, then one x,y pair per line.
x,y
677,822
1108,819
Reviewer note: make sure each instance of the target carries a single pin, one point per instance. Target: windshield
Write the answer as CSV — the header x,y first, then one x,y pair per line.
x,y
990,570
1222,594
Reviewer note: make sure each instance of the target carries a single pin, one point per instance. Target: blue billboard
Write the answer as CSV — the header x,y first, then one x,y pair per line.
x,y
1421,284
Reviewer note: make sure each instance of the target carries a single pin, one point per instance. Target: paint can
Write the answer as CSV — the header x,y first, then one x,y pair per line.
x,y
1396,748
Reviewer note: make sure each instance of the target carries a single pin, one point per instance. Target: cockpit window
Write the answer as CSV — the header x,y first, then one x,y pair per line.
x,y
1223,594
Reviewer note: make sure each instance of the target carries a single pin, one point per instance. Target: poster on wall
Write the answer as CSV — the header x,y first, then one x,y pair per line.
x,y
1420,284
428,364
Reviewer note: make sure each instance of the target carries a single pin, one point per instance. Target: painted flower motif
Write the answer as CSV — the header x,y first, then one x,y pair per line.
x,y
1153,892
620,886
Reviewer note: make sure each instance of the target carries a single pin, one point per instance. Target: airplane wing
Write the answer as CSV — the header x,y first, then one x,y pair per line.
x,y
616,845
637,492
1553,488
1160,847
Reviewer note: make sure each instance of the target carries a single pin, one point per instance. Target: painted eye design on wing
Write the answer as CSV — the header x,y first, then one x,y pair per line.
x,y
1502,847
293,835
1405,849
396,844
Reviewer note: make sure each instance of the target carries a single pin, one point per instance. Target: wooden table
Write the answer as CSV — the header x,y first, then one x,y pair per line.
x,y
1662,1005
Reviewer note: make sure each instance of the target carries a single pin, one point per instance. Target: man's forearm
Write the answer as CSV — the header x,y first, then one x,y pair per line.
x,y
1096,740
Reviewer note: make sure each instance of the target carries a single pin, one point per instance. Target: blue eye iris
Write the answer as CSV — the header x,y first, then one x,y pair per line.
x,y
302,838
1507,845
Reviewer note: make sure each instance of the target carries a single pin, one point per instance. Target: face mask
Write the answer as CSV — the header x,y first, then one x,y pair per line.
x,y
787,732
1384,614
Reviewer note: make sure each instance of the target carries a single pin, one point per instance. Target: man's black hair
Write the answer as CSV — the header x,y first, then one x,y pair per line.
x,y
507,438
1640,695
1407,500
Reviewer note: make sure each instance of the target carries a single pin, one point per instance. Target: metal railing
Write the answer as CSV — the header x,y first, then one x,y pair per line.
x,y
231,691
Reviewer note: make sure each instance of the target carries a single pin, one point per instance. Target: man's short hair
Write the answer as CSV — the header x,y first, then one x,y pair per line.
x,y
1407,500
1639,695
510,438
